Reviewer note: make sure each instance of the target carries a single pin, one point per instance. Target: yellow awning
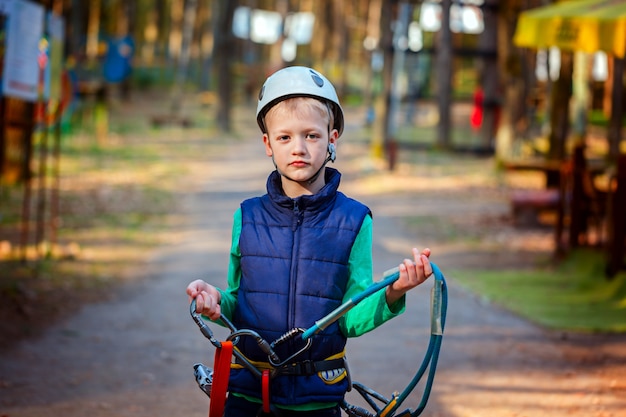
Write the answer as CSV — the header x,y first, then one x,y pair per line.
x,y
576,25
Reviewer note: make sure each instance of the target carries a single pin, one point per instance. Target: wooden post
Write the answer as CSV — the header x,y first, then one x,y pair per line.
x,y
28,179
577,205
565,173
615,122
617,222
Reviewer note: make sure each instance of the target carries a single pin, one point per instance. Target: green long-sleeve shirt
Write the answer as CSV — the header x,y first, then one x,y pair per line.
x,y
365,316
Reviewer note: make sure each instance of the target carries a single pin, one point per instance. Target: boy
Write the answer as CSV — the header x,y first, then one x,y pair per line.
x,y
297,253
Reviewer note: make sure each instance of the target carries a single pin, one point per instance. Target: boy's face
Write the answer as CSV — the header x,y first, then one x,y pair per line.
x,y
297,138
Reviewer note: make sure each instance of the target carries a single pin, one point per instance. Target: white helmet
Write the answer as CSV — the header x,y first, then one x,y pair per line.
x,y
297,82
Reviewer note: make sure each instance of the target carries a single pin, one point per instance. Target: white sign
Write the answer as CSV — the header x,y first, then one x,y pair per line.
x,y
266,27
262,26
466,19
24,31
299,27
430,16
241,22
463,18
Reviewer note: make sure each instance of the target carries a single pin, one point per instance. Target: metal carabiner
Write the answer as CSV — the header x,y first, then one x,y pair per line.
x,y
291,334
204,328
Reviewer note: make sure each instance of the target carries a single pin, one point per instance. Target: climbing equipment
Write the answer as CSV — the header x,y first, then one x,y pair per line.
x,y
215,384
297,81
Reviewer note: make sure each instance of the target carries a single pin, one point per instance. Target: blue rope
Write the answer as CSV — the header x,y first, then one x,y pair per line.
x,y
438,318
440,295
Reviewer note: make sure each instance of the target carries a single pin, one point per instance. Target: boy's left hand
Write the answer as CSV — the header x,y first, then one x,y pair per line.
x,y
412,274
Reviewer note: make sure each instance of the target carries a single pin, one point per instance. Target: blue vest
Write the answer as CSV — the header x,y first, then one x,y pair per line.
x,y
294,264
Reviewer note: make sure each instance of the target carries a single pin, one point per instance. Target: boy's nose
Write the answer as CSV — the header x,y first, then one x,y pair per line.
x,y
299,145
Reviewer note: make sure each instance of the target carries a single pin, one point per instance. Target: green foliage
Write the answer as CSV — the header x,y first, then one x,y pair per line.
x,y
573,296
146,77
598,118
10,204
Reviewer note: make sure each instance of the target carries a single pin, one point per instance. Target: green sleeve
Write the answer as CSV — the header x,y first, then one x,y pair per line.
x,y
365,316
229,295
372,311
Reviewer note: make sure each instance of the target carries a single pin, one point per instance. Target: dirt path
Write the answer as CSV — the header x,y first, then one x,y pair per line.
x,y
132,354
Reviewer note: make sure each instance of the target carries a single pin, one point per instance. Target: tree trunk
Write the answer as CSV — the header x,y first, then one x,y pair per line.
x,y
372,34
93,30
444,77
559,117
206,45
174,41
189,15
511,75
76,29
615,124
223,55
341,42
381,106
490,78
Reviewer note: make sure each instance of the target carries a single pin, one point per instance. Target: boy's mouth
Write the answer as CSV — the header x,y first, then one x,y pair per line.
x,y
298,164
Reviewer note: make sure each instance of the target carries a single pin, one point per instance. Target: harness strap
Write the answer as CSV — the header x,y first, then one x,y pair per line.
x,y
220,378
265,390
302,368
310,367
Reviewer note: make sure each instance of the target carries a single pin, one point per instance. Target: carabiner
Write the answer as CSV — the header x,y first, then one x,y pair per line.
x,y
291,334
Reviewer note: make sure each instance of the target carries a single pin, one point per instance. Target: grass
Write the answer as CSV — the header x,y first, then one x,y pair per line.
x,y
573,296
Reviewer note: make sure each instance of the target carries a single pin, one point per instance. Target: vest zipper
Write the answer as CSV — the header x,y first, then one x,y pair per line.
x,y
297,221
297,216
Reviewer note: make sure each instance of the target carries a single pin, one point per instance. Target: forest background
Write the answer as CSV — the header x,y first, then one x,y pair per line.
x,y
186,56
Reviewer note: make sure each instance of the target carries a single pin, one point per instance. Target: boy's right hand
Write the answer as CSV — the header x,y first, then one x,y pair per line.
x,y
207,299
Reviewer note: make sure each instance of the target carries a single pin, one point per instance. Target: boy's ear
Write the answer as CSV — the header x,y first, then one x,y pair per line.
x,y
334,136
268,148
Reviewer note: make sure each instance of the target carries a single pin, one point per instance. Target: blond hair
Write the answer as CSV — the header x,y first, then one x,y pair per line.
x,y
296,105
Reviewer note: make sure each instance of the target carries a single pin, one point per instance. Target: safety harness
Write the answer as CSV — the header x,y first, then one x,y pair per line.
x,y
227,356
221,363
215,383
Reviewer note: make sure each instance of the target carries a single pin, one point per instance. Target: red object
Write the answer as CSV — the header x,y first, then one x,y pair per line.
x,y
220,380
476,118
266,391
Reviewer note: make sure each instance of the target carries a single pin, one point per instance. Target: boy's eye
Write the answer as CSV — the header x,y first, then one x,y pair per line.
x,y
284,137
312,136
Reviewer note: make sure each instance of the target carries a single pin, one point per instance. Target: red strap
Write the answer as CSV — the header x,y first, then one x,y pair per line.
x,y
221,374
265,390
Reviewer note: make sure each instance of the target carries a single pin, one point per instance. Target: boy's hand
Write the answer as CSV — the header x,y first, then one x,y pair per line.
x,y
207,299
412,274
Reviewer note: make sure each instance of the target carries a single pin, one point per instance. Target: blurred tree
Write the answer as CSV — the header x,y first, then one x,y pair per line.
x,y
516,72
76,29
489,76
189,15
175,32
147,29
617,108
384,50
559,114
443,74
340,42
93,31
204,32
370,43
223,56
